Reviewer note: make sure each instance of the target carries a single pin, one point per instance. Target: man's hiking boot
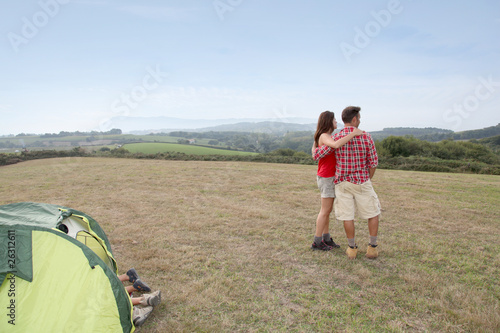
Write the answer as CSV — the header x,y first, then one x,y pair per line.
x,y
141,314
351,252
331,243
321,247
371,251
132,275
152,299
141,286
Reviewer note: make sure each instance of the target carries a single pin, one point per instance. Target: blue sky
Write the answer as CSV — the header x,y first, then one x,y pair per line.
x,y
70,65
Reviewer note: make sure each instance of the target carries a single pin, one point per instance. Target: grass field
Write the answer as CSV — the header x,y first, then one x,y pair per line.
x,y
228,244
153,148
70,142
33,138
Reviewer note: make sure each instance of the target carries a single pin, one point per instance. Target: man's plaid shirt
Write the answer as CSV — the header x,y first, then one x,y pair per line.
x,y
353,159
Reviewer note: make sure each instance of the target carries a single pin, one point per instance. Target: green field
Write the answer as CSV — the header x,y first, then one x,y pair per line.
x,y
153,148
148,144
28,140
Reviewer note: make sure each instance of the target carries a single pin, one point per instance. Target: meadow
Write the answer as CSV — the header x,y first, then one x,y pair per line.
x,y
160,147
228,244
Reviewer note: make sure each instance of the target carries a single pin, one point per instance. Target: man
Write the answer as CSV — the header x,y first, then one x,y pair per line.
x,y
357,161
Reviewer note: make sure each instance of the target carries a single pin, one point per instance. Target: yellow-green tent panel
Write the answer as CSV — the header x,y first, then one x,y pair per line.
x,y
67,293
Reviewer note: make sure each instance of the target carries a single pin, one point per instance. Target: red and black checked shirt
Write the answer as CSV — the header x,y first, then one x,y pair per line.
x,y
353,159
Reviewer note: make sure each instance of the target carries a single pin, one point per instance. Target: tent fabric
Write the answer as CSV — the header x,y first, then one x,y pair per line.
x,y
50,216
16,244
103,249
44,215
94,227
88,239
29,213
57,283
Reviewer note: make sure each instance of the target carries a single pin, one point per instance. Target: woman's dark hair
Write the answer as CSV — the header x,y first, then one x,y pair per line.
x,y
325,124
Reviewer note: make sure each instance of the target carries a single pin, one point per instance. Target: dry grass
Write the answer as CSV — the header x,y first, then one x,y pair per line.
x,y
228,244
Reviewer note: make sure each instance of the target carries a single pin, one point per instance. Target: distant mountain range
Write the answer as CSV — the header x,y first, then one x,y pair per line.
x,y
416,132
146,125
261,127
437,134
143,125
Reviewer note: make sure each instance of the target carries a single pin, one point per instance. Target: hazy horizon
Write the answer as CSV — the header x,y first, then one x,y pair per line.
x,y
202,124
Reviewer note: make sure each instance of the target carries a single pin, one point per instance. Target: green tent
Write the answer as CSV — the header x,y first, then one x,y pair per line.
x,y
57,273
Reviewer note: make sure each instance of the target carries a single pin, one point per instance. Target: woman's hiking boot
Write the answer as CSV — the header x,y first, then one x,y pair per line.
x,y
321,247
331,243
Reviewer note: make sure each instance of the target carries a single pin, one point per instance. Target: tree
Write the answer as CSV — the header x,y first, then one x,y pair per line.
x,y
114,131
396,146
283,152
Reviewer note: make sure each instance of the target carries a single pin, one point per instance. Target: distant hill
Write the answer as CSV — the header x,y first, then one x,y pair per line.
x,y
437,134
261,127
416,132
145,125
492,142
478,134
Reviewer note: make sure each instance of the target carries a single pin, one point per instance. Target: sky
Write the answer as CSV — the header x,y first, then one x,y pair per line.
x,y
75,65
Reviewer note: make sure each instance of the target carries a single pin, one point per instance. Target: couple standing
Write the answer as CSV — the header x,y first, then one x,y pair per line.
x,y
346,164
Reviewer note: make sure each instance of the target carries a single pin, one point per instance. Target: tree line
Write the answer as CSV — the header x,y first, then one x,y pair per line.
x,y
401,153
465,135
395,152
252,142
395,146
61,134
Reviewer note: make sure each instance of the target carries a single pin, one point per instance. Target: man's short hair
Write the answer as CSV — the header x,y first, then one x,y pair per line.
x,y
349,113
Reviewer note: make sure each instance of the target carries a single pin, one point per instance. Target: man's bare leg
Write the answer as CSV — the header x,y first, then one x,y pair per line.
x,y
352,249
372,252
349,229
373,226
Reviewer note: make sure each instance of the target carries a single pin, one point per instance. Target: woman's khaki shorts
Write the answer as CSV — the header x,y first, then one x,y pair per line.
x,y
326,186
353,197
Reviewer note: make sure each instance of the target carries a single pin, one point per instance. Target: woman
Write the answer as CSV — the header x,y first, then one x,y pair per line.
x,y
325,177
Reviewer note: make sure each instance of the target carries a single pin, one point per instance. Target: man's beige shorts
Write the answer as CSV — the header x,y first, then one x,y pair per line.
x,y
351,197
